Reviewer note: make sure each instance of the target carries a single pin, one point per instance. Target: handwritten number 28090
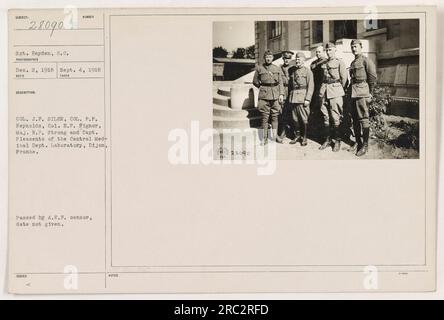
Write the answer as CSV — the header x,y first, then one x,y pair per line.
x,y
46,25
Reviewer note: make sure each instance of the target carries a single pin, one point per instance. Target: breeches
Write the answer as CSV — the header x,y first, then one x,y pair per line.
x,y
331,110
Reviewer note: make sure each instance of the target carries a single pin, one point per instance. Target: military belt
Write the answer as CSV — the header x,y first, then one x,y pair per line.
x,y
358,81
301,87
331,81
270,84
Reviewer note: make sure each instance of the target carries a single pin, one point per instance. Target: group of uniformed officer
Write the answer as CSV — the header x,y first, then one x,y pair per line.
x,y
287,92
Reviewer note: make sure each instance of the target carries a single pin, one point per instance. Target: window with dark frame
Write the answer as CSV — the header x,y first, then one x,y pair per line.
x,y
317,31
274,29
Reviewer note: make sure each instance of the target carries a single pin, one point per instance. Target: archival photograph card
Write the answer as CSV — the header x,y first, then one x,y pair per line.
x,y
222,150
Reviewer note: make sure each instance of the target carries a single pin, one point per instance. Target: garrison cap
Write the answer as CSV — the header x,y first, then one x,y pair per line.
x,y
287,54
356,41
268,53
300,55
329,45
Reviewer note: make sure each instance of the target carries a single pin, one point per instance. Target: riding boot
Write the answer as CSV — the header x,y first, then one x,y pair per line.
x,y
297,136
326,137
337,139
358,137
353,145
304,135
280,137
365,137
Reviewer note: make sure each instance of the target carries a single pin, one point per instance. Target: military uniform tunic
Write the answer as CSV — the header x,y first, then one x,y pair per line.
x,y
301,88
285,79
268,78
285,117
331,92
269,81
363,79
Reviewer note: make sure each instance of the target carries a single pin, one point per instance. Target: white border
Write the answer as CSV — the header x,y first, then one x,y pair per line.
x,y
6,4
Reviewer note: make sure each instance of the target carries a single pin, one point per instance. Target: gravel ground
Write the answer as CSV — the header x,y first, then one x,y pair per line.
x,y
378,148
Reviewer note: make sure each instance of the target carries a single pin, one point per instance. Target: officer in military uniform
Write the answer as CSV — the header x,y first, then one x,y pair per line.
x,y
301,91
285,115
268,78
331,94
318,75
363,80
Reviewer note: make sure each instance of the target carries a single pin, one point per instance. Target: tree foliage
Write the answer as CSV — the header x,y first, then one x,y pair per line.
x,y
239,53
220,52
251,52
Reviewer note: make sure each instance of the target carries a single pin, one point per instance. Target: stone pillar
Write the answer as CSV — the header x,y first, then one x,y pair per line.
x,y
360,28
330,35
294,35
261,39
305,35
325,31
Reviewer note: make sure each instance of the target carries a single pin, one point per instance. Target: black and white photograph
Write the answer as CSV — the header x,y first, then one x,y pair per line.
x,y
317,89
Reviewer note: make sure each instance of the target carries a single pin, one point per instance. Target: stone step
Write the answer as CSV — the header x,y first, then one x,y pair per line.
x,y
236,123
220,111
224,91
221,100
